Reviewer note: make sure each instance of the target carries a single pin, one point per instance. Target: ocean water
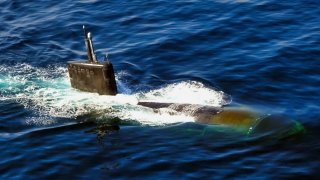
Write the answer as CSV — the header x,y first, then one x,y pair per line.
x,y
258,54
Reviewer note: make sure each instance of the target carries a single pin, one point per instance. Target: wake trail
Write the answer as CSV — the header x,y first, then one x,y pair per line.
x,y
48,92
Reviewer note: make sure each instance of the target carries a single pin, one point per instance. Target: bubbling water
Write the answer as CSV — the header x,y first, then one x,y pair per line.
x,y
48,92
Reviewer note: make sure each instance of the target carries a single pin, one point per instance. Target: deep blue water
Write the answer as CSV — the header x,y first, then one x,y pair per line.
x,y
260,54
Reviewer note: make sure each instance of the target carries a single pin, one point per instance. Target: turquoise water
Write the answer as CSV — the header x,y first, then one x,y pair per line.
x,y
258,54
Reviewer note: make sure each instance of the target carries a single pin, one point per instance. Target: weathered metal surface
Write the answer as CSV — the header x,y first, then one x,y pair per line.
x,y
92,77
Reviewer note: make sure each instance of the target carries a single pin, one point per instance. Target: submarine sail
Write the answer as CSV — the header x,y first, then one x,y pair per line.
x,y
91,75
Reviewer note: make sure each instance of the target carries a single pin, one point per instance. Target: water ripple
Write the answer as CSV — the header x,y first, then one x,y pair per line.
x,y
261,53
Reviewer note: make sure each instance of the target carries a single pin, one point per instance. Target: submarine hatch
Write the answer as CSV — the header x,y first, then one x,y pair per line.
x,y
91,75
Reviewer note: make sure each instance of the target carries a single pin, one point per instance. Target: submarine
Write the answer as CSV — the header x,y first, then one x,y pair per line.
x,y
248,121
91,75
95,77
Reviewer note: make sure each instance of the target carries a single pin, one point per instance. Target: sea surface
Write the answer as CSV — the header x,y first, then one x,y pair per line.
x,y
262,54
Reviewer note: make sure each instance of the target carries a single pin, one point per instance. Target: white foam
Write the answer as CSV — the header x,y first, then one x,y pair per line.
x,y
47,91
185,92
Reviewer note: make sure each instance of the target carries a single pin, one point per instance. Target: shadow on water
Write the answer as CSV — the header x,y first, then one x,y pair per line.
x,y
110,145
219,133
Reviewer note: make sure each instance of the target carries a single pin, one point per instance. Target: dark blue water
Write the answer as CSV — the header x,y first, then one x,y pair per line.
x,y
260,54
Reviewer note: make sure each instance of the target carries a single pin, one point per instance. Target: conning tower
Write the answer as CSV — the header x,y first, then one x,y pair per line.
x,y
91,75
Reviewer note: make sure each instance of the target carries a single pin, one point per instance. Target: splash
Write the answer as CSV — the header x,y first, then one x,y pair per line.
x,y
48,92
186,92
